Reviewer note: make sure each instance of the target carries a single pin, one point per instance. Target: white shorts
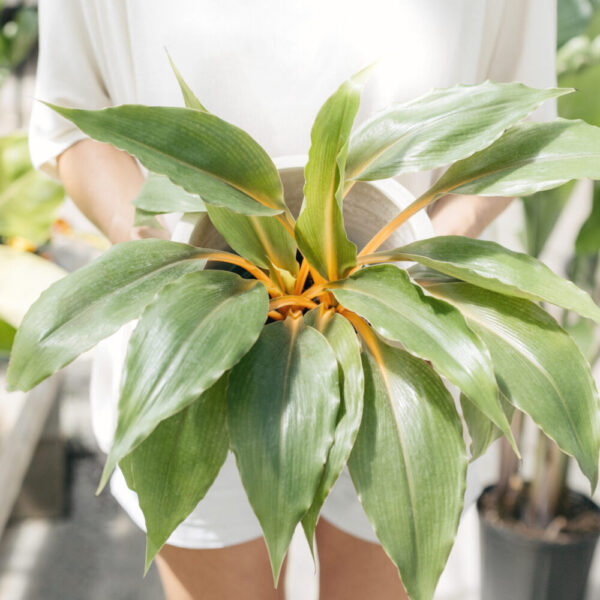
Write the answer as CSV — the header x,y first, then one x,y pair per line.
x,y
225,518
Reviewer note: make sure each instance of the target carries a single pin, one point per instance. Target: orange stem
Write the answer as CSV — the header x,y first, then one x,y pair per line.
x,y
234,259
365,332
291,301
314,290
302,275
287,220
275,315
384,233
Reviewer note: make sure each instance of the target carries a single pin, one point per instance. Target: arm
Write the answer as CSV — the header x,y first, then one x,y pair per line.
x,y
103,181
465,215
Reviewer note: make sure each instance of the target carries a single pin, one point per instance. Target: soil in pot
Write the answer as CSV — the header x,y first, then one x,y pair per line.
x,y
521,562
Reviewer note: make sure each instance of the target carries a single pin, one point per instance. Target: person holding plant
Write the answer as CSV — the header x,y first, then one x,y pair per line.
x,y
266,67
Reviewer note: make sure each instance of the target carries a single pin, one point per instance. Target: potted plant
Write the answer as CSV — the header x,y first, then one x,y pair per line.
x,y
538,536
324,355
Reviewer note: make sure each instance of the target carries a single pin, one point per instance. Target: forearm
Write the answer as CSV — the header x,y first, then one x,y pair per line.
x,y
102,181
465,215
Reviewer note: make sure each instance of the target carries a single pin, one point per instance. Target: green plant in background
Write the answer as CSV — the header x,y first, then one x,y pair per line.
x,y
328,355
29,201
578,66
18,37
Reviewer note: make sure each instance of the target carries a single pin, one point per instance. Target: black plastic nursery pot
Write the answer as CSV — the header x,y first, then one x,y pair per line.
x,y
518,566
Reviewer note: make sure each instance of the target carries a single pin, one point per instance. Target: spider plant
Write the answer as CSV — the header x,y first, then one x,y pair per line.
x,y
326,355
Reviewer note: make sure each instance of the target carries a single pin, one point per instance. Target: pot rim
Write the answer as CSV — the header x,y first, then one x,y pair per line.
x,y
501,528
394,191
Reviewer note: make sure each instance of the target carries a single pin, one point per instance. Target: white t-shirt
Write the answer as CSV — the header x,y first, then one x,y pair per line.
x,y
267,66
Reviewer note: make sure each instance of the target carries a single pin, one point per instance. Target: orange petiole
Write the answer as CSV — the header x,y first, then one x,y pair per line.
x,y
291,300
234,259
384,233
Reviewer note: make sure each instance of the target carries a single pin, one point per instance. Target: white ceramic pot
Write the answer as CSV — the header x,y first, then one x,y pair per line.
x,y
367,208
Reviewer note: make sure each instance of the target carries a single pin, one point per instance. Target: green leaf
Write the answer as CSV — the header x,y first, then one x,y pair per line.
x,y
190,99
174,467
77,312
481,430
585,335
539,367
573,17
342,338
7,336
264,241
145,218
28,207
491,266
283,400
542,211
439,128
14,158
320,229
195,150
196,329
528,158
428,328
160,195
583,104
588,238
409,465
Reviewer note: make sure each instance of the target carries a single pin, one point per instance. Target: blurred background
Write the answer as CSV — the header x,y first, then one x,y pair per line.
x,y
58,541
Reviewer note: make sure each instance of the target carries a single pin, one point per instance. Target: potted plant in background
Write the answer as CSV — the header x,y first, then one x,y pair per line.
x,y
538,536
29,202
326,355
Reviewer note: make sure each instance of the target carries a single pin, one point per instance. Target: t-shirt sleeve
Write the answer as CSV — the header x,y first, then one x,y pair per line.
x,y
525,49
68,74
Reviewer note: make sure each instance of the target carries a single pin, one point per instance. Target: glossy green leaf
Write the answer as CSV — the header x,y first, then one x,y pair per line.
x,y
481,430
28,207
196,150
7,336
528,158
283,400
428,328
342,338
438,128
160,195
195,330
409,465
588,238
264,241
542,211
491,266
320,229
190,99
539,367
173,468
90,304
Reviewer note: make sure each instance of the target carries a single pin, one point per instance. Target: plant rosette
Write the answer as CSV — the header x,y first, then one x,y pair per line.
x,y
321,355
